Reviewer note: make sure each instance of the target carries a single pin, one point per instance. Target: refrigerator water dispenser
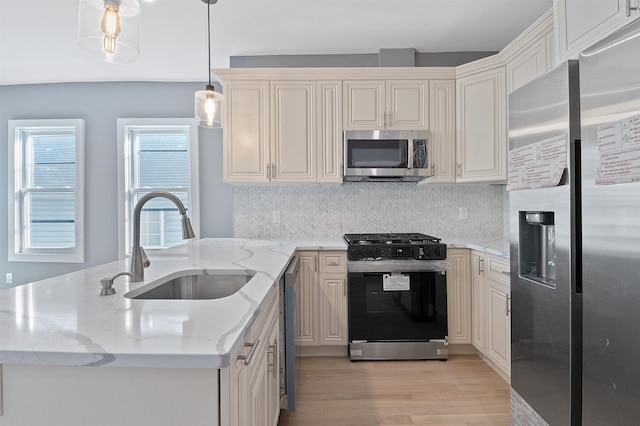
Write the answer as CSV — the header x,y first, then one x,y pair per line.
x,y
537,254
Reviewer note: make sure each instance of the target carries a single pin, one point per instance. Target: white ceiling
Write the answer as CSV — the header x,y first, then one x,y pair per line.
x,y
38,37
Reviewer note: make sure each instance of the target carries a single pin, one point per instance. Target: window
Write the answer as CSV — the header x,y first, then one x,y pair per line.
x,y
156,155
46,190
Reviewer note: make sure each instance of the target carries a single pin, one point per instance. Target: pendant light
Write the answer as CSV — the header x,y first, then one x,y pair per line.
x,y
110,29
208,102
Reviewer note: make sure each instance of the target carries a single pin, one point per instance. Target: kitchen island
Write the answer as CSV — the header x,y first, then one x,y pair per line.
x,y
70,356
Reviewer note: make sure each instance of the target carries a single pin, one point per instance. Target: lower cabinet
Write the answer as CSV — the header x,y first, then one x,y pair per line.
x,y
458,297
491,309
250,386
322,300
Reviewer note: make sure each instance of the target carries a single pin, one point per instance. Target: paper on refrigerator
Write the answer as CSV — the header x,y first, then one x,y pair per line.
x,y
619,152
537,165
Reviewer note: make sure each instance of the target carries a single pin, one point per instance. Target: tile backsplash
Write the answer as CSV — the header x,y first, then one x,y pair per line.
x,y
328,211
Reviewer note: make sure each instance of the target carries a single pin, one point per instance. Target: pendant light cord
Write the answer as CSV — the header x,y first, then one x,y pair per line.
x,y
209,39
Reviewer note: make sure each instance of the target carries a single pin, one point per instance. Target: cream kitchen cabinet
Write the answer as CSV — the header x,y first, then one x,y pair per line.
x,y
307,299
386,104
322,301
442,130
579,24
491,309
250,386
458,296
481,130
246,135
329,131
477,298
283,131
531,54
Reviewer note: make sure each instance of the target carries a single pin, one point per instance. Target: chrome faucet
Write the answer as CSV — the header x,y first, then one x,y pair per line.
x,y
139,259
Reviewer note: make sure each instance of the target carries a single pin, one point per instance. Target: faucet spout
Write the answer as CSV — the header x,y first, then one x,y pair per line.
x,y
139,259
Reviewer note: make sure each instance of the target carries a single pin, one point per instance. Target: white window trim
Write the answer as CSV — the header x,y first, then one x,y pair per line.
x,y
194,189
75,255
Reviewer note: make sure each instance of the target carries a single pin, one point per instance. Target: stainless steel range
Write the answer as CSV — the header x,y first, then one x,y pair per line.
x,y
397,296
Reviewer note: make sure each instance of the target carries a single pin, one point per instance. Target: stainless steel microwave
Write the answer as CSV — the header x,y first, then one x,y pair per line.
x,y
386,155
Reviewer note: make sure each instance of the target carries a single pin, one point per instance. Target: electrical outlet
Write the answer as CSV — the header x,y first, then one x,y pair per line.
x,y
463,213
276,216
9,278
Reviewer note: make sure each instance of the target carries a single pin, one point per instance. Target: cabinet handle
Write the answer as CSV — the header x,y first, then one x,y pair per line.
x,y
630,8
268,171
433,169
508,305
317,264
273,170
480,266
247,358
507,273
459,167
344,288
271,367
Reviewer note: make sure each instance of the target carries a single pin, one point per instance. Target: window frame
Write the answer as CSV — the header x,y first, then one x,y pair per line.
x,y
17,187
127,127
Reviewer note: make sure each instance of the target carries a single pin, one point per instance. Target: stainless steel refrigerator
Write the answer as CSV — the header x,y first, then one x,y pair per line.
x,y
610,111
544,204
575,239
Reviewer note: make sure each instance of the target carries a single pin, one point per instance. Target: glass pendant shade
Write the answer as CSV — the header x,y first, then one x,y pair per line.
x,y
110,29
208,107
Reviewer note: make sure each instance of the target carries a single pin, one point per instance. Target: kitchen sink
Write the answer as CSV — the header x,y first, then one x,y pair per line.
x,y
199,285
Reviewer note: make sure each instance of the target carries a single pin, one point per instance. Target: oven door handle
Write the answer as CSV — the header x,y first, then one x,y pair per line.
x,y
398,266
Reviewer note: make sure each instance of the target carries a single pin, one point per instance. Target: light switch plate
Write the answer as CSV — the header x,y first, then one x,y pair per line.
x,y
463,213
276,216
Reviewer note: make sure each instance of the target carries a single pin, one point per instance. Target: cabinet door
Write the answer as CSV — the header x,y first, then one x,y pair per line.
x,y
442,132
498,325
527,65
259,391
246,132
306,299
579,24
333,310
407,104
329,131
273,370
482,130
293,154
364,104
477,300
458,296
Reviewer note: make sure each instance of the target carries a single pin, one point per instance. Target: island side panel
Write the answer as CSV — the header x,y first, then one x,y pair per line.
x,y
70,396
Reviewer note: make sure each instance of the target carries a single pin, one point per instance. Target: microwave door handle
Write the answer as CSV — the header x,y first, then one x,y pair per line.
x,y
410,154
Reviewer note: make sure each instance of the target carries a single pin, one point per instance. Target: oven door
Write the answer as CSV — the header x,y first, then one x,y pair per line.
x,y
417,313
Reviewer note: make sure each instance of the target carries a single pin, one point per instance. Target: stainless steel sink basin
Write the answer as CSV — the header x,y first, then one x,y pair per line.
x,y
198,285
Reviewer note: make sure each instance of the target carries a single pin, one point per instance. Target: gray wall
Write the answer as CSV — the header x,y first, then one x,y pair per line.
x,y
100,104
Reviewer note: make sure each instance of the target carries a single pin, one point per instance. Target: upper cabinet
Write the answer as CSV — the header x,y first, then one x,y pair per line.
x,y
293,122
579,24
386,104
531,54
285,125
481,130
442,130
281,130
246,145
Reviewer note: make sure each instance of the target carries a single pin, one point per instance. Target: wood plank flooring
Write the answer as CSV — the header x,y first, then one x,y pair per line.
x,y
460,391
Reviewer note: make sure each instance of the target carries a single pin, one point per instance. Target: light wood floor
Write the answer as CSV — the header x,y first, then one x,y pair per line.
x,y
460,391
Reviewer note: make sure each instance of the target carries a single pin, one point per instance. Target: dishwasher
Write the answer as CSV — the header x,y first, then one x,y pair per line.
x,y
290,350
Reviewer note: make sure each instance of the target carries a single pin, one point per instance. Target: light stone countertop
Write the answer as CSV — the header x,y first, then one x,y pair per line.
x,y
64,321
498,246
